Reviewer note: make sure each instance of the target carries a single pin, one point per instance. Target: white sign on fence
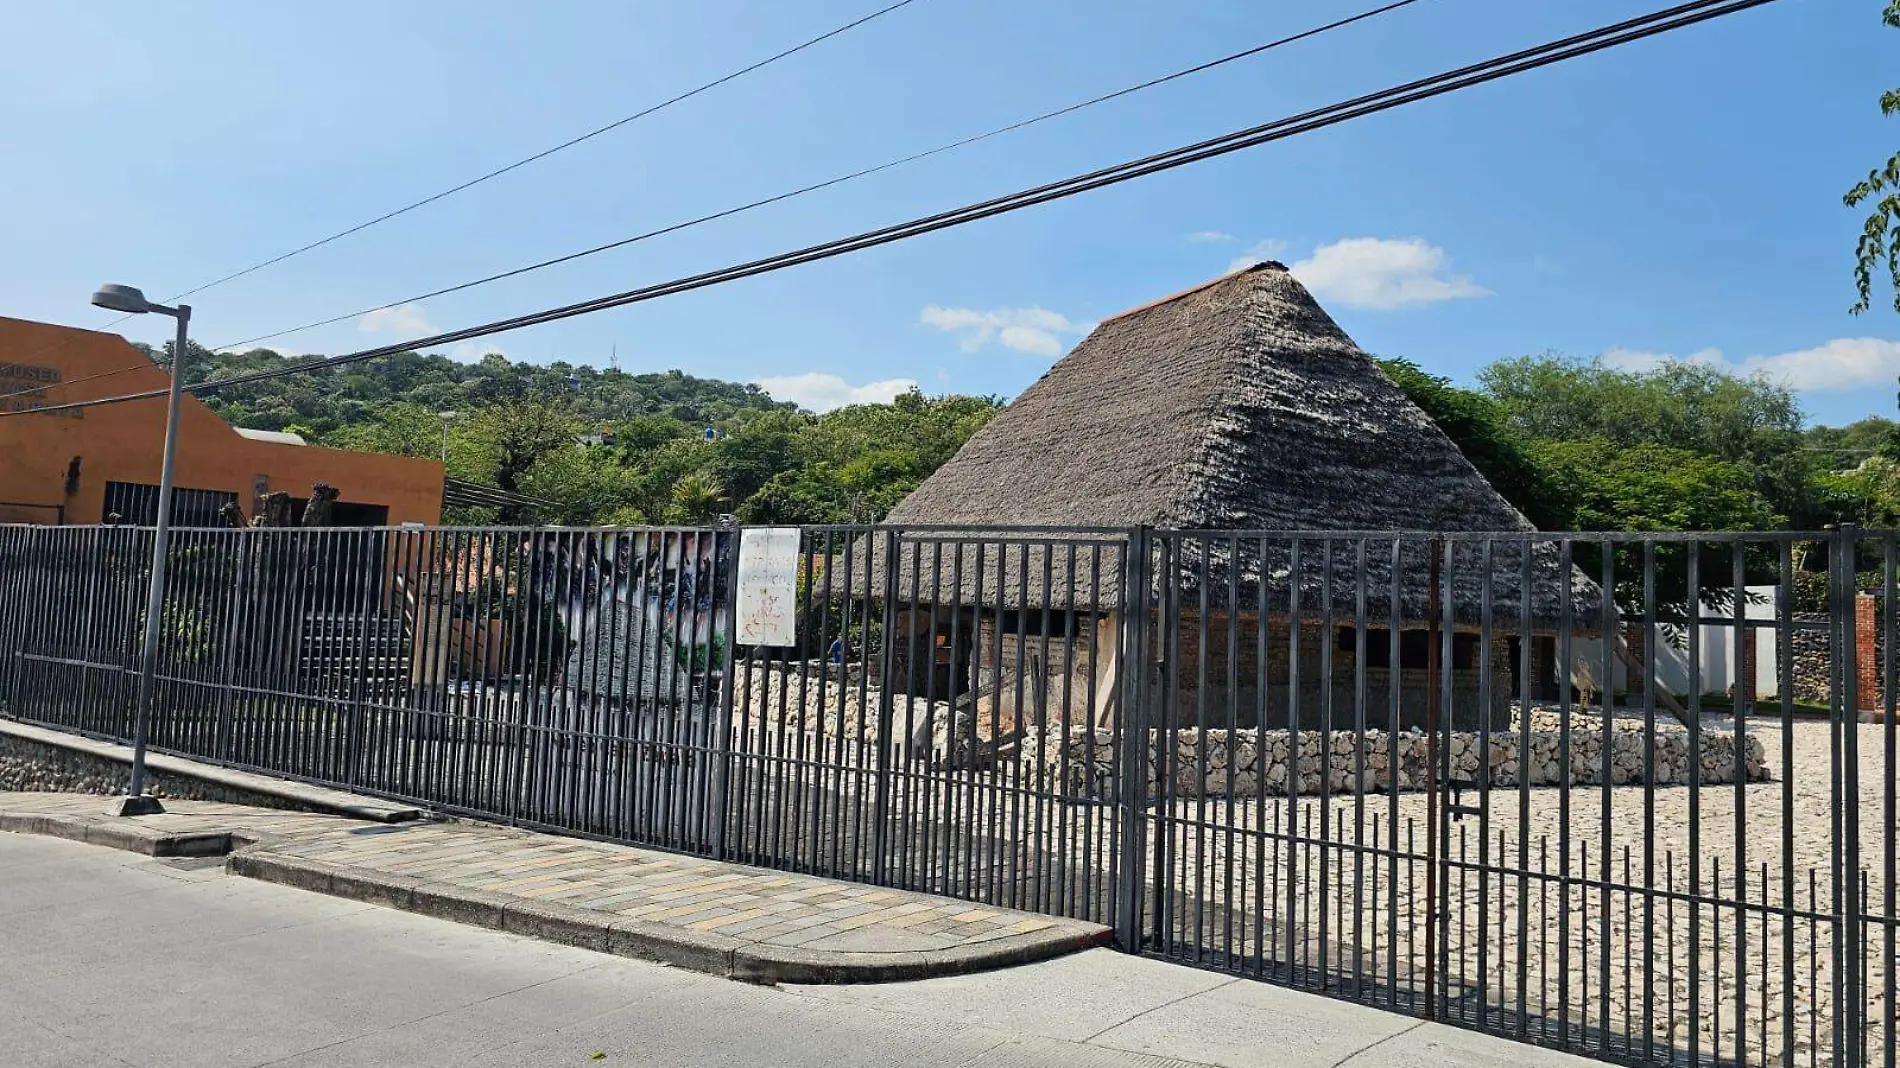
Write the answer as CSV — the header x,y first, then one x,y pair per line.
x,y
768,586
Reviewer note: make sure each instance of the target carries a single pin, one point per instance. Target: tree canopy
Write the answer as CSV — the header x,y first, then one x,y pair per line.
x,y
610,447
1879,193
1573,443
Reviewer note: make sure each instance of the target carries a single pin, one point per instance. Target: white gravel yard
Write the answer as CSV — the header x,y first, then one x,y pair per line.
x,y
1691,891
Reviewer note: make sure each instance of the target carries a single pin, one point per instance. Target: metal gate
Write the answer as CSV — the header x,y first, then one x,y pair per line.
x,y
1384,773
1373,765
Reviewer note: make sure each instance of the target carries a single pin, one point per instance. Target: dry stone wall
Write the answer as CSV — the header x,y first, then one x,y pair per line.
x,y
30,766
1217,762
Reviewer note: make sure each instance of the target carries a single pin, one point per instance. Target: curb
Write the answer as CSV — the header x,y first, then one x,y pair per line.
x,y
132,839
698,951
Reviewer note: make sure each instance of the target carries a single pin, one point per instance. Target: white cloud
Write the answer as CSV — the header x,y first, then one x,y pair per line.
x,y
1037,331
1211,237
1383,274
473,351
822,392
401,319
1261,252
1843,363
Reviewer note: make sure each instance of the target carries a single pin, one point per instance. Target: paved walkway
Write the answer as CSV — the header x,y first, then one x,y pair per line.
x,y
727,919
115,959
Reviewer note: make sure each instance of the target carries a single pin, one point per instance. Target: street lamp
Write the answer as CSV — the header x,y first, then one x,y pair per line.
x,y
129,300
447,418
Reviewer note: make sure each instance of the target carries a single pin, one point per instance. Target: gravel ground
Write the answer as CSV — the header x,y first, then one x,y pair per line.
x,y
1517,903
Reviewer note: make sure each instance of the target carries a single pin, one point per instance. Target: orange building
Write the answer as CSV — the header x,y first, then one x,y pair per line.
x,y
84,465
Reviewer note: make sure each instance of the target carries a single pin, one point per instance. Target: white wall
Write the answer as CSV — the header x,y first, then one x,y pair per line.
x,y
1719,657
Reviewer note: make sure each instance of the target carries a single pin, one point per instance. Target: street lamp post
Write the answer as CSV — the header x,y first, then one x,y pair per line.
x,y
447,418
128,299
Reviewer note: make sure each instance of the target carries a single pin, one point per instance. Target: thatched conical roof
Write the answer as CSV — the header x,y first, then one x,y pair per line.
x,y
1240,405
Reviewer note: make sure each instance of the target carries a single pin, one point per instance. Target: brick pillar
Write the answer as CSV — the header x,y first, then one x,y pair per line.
x,y
1638,666
1866,659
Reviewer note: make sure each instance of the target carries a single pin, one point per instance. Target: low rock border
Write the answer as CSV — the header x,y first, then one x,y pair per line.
x,y
39,759
1253,763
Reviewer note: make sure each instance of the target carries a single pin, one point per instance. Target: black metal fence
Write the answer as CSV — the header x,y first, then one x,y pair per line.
x,y
1562,787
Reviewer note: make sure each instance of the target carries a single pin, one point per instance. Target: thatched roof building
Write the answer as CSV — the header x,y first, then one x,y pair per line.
x,y
1239,405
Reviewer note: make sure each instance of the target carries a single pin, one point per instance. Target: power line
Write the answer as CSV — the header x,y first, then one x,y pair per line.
x,y
517,164
546,152
843,178
816,186
1611,36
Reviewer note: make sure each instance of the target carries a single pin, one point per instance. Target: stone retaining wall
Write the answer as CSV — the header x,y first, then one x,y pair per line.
x,y
30,766
1216,762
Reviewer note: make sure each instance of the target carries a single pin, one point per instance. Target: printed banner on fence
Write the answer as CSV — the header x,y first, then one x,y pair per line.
x,y
768,586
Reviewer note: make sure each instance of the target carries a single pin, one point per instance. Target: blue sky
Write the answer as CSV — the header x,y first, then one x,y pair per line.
x,y
1677,197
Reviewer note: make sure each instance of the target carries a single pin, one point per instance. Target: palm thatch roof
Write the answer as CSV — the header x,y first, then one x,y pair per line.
x,y
1239,405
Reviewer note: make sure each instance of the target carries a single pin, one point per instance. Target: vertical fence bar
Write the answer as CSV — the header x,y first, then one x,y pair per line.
x,y
880,822
1434,695
1742,658
1784,657
1482,724
1395,700
1890,776
1850,1001
1692,605
1525,764
722,757
1295,615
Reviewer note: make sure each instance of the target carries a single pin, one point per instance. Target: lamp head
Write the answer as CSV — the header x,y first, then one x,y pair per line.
x,y
122,299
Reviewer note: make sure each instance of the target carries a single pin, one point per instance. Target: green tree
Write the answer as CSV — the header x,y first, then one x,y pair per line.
x,y
1480,429
697,498
644,432
1753,423
1653,488
1842,448
587,484
746,459
403,429
1879,193
520,429
510,438
1867,492
809,494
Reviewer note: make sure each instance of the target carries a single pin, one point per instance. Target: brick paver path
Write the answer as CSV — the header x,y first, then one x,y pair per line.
x,y
751,905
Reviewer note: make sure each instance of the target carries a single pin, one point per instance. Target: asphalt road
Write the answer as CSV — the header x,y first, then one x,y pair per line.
x,y
107,958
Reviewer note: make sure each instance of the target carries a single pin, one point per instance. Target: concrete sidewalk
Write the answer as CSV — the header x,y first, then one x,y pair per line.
x,y
724,919
116,958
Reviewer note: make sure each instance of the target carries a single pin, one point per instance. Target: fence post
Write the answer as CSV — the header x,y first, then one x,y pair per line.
x,y
720,802
367,558
1131,738
235,623
1849,1003
886,710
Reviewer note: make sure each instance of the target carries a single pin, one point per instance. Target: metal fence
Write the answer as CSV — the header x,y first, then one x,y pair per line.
x,y
1429,772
